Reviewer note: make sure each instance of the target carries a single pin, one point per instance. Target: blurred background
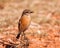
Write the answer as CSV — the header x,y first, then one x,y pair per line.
x,y
11,10
46,18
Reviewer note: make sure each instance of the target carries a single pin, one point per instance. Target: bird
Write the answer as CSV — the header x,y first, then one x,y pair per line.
x,y
24,22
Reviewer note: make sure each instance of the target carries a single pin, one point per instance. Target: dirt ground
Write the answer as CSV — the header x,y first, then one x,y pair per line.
x,y
44,30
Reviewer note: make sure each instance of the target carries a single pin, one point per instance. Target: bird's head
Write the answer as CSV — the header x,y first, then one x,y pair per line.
x,y
27,12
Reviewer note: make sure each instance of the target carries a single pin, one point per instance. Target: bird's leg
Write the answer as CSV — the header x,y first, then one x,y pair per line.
x,y
26,41
24,36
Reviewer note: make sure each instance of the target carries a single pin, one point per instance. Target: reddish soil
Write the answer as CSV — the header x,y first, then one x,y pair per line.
x,y
44,30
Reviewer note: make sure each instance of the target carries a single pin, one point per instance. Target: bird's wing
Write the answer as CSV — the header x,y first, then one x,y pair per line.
x,y
19,25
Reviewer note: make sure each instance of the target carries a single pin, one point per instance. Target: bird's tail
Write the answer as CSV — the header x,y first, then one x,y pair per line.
x,y
18,35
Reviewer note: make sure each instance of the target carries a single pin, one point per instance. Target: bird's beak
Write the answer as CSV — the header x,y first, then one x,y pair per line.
x,y
31,12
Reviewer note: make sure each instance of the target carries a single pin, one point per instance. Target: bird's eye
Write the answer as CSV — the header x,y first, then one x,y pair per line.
x,y
26,12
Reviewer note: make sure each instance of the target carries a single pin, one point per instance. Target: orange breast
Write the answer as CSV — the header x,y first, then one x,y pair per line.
x,y
25,22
